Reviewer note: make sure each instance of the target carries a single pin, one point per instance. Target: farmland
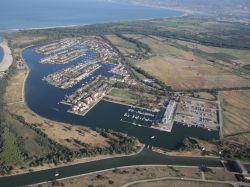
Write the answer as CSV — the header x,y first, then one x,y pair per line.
x,y
236,112
185,69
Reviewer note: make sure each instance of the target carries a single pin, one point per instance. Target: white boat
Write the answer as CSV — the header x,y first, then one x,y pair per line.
x,y
152,137
56,174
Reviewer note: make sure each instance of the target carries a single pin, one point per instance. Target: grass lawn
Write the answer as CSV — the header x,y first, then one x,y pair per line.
x,y
121,95
134,98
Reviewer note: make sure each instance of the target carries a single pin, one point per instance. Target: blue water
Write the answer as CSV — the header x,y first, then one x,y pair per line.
x,y
1,54
43,13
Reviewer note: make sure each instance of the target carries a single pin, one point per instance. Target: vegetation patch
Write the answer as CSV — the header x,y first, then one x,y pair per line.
x,y
10,153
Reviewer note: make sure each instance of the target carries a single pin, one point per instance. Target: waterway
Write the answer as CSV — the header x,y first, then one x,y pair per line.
x,y
43,99
1,53
146,157
46,13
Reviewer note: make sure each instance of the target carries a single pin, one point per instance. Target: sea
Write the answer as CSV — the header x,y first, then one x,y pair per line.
x,y
15,15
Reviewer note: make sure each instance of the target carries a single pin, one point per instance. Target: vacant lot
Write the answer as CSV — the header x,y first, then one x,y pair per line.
x,y
179,183
205,95
236,112
182,74
182,67
137,98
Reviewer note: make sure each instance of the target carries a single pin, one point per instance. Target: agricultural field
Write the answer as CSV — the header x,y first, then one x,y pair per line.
x,y
125,47
236,123
184,68
236,112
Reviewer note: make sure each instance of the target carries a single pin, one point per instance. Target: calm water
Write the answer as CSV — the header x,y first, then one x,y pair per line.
x,y
1,54
43,13
43,99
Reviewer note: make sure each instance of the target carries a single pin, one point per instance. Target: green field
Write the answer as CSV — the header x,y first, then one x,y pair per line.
x,y
10,152
132,97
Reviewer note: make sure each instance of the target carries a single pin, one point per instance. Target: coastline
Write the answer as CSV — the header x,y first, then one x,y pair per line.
x,y
7,57
183,12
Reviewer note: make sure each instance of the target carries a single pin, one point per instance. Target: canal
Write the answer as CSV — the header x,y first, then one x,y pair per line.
x,y
146,157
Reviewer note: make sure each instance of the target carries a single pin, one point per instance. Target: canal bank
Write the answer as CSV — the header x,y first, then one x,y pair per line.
x,y
146,157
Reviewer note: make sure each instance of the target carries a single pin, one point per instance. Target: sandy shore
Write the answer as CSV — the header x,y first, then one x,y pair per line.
x,y
7,58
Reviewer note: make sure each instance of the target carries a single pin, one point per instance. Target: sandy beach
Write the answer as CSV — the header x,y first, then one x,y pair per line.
x,y
7,58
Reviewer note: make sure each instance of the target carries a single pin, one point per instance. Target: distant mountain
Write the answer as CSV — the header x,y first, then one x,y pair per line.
x,y
229,8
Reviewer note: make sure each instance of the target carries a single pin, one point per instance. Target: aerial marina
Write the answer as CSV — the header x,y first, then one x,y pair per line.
x,y
184,110
130,103
139,116
70,76
90,73
84,98
95,85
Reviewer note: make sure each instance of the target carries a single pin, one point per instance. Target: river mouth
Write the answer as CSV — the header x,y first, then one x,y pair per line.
x,y
44,99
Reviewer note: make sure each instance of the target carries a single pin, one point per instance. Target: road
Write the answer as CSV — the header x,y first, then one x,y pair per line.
x,y
220,116
233,183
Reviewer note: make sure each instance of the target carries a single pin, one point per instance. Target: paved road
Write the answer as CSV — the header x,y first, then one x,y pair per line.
x,y
233,183
220,117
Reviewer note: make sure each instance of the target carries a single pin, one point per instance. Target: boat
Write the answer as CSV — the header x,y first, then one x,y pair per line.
x,y
152,137
56,174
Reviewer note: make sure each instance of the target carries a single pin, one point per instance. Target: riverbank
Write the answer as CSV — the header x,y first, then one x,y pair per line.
x,y
75,162
7,58
145,158
58,132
